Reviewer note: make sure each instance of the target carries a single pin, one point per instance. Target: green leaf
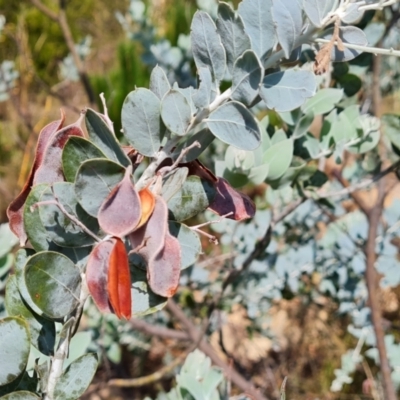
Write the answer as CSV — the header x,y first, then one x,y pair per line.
x,y
34,228
206,45
278,158
231,29
371,134
159,83
323,102
76,151
391,128
141,121
247,76
176,112
144,300
76,379
42,331
21,258
14,348
7,240
350,83
189,242
287,90
20,395
60,229
53,283
259,25
102,137
234,124
302,126
172,182
95,180
194,197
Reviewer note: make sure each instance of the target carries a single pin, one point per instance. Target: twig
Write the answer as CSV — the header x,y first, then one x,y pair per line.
x,y
365,49
207,349
151,378
361,185
61,19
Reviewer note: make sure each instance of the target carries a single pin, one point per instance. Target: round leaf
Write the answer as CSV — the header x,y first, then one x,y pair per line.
x,y
278,158
141,121
60,229
95,180
176,112
76,151
234,124
14,348
287,90
53,283
194,197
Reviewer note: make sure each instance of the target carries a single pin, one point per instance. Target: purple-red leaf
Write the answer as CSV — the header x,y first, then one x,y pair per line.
x,y
120,212
119,281
15,209
163,270
227,200
97,274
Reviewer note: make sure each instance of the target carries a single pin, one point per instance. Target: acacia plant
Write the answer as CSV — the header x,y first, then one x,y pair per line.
x,y
98,218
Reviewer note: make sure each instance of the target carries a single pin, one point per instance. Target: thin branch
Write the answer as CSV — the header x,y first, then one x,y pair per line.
x,y
45,10
151,378
207,349
61,19
365,49
374,215
361,185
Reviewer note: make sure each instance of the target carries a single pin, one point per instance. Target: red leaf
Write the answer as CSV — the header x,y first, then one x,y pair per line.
x,y
50,169
97,274
197,168
16,208
121,211
228,199
119,281
163,270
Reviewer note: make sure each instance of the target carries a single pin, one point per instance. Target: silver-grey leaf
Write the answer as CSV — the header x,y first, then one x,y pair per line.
x,y
141,121
175,112
259,25
206,45
233,35
247,77
289,23
159,83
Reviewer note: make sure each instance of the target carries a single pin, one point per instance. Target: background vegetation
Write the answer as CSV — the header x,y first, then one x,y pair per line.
x,y
304,332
